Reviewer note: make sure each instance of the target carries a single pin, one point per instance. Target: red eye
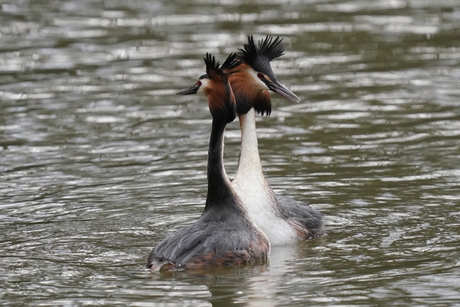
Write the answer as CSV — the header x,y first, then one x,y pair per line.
x,y
198,83
260,75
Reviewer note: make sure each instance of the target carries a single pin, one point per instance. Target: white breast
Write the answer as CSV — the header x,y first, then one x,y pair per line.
x,y
261,206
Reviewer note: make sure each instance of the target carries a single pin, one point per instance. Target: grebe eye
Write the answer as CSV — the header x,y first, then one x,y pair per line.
x,y
198,83
260,75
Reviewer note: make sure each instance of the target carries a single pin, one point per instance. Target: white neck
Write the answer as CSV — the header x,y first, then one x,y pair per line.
x,y
249,153
253,189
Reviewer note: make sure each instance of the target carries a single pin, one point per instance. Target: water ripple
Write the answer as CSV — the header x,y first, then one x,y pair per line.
x,y
100,159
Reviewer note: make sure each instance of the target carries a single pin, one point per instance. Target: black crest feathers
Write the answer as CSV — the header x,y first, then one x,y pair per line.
x,y
268,48
212,66
231,62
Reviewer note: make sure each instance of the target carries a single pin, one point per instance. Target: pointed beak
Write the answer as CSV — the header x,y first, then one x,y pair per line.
x,y
282,90
188,91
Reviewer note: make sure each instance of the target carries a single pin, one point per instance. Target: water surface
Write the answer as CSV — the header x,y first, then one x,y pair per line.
x,y
99,159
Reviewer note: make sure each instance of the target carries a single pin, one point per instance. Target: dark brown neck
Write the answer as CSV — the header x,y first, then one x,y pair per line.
x,y
220,193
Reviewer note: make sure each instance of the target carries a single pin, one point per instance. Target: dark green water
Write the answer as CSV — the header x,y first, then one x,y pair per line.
x,y
99,159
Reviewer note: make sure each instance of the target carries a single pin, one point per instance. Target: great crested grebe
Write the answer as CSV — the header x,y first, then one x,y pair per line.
x,y
283,219
224,235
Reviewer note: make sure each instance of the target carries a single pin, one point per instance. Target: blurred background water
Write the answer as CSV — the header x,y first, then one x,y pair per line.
x,y
99,160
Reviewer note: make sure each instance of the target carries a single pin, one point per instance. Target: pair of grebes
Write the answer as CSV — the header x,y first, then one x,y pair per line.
x,y
242,218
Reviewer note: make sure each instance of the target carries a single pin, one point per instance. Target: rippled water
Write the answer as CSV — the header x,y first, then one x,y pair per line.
x,y
99,160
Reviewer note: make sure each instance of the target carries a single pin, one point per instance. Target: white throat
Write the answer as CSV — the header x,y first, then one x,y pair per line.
x,y
249,161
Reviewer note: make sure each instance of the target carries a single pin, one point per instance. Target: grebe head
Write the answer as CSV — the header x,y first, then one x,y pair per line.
x,y
254,76
215,85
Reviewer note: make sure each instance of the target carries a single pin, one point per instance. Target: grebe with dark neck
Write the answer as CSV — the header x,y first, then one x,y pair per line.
x,y
283,219
224,235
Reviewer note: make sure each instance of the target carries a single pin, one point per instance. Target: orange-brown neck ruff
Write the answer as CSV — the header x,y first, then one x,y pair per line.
x,y
221,101
247,92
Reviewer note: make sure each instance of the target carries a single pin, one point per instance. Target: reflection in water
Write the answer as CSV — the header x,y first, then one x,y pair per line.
x,y
99,160
251,286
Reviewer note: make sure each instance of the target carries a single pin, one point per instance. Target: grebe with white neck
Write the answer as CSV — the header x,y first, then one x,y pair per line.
x,y
224,235
283,219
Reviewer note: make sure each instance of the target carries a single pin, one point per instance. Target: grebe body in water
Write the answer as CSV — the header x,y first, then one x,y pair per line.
x,y
224,235
283,219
